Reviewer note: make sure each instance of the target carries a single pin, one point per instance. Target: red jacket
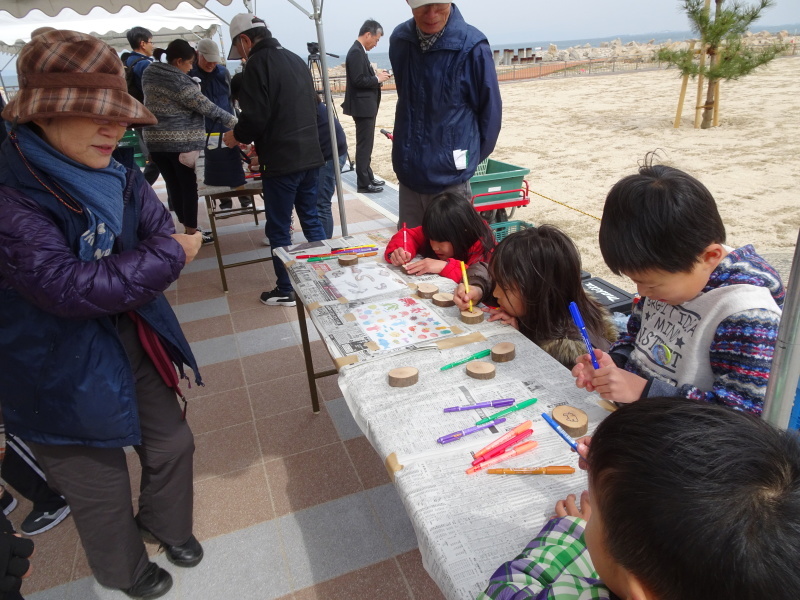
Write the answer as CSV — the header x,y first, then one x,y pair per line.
x,y
416,242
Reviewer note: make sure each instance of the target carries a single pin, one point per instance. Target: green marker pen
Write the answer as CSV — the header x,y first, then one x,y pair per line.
x,y
506,411
476,356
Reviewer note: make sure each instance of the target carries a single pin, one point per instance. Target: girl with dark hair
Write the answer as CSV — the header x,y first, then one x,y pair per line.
x,y
533,276
451,232
176,140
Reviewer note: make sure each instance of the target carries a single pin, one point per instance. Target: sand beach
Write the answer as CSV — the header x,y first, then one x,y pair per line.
x,y
579,135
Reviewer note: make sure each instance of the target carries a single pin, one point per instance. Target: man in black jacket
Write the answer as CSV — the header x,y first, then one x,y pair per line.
x,y
279,114
361,101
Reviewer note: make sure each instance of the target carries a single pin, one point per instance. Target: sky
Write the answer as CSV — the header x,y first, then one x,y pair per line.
x,y
502,21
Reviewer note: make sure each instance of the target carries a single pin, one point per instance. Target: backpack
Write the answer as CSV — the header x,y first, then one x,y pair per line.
x,y
134,88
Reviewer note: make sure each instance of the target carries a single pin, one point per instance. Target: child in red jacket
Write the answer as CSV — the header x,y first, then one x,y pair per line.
x,y
452,231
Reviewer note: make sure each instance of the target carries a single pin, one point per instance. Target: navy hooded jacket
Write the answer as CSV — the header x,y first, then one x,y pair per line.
x,y
448,100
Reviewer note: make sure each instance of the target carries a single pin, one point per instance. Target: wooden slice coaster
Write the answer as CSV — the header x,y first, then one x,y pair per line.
x,y
478,369
503,352
427,290
348,261
403,376
573,420
443,299
472,318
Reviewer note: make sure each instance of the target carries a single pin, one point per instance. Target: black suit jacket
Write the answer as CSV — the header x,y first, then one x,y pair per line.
x,y
363,93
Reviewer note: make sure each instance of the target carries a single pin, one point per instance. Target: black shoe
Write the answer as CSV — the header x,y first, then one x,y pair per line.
x,y
378,182
278,298
208,238
188,554
7,502
226,204
370,189
245,202
153,583
39,521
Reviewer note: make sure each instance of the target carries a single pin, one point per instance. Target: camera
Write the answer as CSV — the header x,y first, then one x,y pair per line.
x,y
313,47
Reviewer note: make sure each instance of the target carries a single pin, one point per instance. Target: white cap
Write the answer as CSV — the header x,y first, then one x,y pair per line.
x,y
239,24
417,3
209,50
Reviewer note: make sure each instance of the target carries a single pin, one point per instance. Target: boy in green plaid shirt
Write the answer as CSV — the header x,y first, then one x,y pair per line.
x,y
689,501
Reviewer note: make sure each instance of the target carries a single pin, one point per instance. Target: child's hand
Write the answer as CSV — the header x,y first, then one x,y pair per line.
x,y
583,371
568,507
461,298
498,314
583,451
400,257
426,265
618,385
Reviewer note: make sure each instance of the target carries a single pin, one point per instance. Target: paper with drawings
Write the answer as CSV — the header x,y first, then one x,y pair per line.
x,y
400,322
365,281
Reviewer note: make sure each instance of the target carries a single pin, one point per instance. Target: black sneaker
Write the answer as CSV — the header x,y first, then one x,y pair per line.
x,y
153,583
278,298
39,522
245,202
226,204
7,502
208,238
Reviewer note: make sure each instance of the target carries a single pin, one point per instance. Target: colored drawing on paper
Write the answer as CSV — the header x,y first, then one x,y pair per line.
x,y
401,322
365,281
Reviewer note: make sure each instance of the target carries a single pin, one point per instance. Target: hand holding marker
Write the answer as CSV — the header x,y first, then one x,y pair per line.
x,y
576,316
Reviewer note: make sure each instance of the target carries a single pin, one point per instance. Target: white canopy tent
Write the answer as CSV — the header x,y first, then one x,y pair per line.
x,y
186,21
20,8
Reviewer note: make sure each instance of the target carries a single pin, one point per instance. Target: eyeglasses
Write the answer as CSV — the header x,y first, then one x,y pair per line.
x,y
110,122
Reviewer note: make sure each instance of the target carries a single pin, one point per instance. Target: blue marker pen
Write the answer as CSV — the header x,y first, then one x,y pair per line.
x,y
576,316
572,443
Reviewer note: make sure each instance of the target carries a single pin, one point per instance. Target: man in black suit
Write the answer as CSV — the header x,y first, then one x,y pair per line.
x,y
361,100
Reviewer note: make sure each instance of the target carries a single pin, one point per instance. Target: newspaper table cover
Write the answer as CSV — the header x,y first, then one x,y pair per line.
x,y
467,525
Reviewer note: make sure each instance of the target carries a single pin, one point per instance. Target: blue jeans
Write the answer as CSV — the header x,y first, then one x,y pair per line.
x,y
281,195
327,187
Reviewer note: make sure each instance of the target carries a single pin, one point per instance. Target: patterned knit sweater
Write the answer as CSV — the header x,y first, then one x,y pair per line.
x,y
175,99
740,337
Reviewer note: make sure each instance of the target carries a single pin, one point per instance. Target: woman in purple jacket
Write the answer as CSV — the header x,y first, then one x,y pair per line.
x,y
89,344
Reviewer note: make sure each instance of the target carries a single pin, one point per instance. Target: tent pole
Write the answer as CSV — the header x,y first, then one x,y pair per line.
x,y
331,116
783,388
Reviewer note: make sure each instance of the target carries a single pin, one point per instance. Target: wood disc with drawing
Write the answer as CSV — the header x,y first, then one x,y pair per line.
x,y
403,376
477,369
471,317
573,420
503,352
427,290
443,299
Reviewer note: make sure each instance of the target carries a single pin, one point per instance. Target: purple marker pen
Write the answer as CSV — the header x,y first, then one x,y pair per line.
x,y
488,404
452,437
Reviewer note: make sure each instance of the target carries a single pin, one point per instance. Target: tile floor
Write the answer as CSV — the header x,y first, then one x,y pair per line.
x,y
288,504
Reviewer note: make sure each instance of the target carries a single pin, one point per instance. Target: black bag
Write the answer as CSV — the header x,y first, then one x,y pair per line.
x,y
223,166
130,80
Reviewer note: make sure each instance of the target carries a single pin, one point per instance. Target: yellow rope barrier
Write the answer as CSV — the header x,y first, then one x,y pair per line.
x,y
565,205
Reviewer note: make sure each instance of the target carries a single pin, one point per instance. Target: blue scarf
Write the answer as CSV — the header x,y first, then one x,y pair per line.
x,y
98,191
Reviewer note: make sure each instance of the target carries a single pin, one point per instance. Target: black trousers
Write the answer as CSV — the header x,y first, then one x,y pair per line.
x,y
181,186
96,483
365,139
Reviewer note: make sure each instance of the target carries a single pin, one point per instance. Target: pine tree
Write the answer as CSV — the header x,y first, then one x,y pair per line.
x,y
729,57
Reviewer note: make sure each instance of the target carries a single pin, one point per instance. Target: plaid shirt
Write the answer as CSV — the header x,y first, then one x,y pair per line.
x,y
554,566
426,41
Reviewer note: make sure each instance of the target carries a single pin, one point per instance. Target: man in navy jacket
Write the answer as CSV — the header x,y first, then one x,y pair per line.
x,y
362,98
449,109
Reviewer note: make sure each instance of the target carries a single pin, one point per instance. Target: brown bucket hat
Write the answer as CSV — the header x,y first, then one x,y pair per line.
x,y
69,74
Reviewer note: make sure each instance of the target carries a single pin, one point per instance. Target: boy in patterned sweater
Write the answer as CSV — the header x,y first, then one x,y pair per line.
x,y
688,500
706,323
